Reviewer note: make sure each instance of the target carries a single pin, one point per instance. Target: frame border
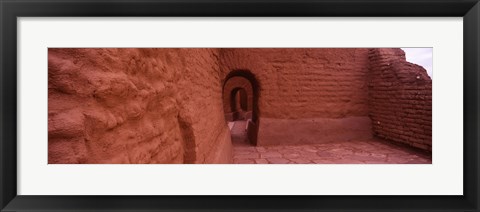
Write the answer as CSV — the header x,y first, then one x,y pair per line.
x,y
11,9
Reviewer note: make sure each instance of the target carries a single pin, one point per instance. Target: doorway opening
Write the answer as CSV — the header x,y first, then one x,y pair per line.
x,y
240,100
239,105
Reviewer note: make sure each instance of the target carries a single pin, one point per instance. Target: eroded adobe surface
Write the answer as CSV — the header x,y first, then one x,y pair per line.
x,y
169,105
136,106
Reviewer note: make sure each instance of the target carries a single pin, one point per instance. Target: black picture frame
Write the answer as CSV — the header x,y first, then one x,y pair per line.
x,y
10,10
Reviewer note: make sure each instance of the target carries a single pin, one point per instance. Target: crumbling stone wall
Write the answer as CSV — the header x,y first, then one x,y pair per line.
x,y
136,106
400,98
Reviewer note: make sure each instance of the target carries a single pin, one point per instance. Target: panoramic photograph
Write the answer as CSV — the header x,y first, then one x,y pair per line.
x,y
240,105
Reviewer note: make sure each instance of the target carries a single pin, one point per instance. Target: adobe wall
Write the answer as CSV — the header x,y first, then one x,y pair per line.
x,y
400,99
136,106
307,95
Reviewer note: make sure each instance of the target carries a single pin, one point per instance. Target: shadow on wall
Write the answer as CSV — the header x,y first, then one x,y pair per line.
x,y
240,100
188,138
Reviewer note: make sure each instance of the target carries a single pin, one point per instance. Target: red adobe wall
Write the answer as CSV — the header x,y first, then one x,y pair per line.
x,y
400,97
302,83
306,95
136,106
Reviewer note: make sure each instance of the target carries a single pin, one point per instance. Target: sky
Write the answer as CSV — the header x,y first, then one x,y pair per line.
x,y
420,56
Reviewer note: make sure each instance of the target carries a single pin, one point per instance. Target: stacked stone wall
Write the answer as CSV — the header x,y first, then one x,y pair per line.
x,y
400,99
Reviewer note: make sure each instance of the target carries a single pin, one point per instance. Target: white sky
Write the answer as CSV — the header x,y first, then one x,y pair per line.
x,y
420,56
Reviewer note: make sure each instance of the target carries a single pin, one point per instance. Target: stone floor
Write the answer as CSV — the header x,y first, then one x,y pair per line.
x,y
374,151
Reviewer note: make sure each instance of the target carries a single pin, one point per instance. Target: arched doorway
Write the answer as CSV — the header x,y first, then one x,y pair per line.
x,y
240,99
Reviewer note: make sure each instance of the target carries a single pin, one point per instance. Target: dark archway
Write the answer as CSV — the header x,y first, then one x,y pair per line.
x,y
239,104
241,91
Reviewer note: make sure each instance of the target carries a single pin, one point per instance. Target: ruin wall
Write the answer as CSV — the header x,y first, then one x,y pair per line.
x,y
400,98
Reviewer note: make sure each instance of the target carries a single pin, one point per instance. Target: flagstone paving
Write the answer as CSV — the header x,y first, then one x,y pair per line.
x,y
374,151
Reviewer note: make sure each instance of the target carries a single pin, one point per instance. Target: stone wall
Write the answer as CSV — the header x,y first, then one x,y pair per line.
x,y
301,89
400,99
136,106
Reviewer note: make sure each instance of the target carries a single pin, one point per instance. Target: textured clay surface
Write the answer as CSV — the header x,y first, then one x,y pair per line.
x,y
136,106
